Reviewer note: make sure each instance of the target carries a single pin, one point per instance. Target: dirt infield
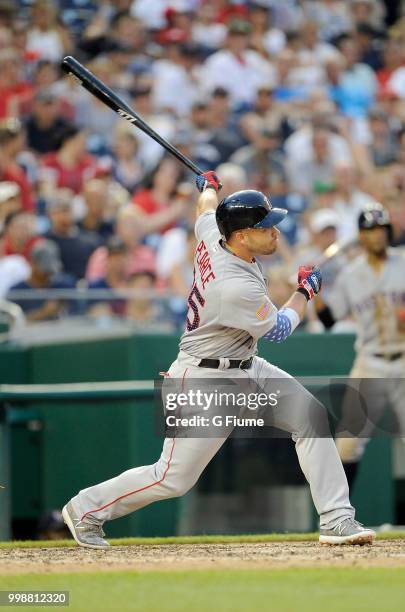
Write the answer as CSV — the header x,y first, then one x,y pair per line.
x,y
383,553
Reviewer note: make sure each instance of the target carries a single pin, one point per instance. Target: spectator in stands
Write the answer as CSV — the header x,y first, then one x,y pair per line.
x,y
299,147
115,278
129,230
304,175
393,59
162,122
225,137
347,199
144,310
45,274
70,163
155,203
127,164
333,17
45,122
383,146
369,44
263,153
95,220
174,86
10,200
264,38
312,56
358,85
94,117
75,246
323,231
237,64
19,234
12,143
47,36
265,110
14,89
233,178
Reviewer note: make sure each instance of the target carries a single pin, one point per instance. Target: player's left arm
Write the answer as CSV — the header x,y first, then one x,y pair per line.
x,y
293,311
208,184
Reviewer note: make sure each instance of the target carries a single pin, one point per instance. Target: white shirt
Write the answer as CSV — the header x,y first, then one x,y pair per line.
x,y
240,77
13,269
173,87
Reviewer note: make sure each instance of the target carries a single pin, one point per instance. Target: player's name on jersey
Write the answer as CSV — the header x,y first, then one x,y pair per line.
x,y
204,264
229,420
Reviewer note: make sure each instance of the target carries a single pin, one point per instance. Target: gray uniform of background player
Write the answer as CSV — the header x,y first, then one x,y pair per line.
x,y
236,313
374,299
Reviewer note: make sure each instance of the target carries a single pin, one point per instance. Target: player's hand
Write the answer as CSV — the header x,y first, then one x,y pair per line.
x,y
208,180
309,280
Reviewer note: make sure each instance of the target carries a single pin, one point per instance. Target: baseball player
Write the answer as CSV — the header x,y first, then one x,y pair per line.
x,y
372,289
229,310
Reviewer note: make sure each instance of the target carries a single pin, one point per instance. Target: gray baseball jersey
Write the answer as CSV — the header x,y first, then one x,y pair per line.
x,y
229,306
374,300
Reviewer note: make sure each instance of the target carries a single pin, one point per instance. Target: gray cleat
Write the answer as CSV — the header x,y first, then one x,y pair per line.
x,y
89,535
348,531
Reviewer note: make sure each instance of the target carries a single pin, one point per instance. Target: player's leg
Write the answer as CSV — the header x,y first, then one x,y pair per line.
x,y
176,471
306,419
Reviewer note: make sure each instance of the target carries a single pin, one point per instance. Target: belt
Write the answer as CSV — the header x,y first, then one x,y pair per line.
x,y
242,364
392,357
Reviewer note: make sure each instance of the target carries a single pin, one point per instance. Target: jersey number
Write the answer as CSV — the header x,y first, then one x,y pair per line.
x,y
194,296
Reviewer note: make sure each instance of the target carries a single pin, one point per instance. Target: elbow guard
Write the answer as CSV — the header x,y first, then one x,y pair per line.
x,y
287,321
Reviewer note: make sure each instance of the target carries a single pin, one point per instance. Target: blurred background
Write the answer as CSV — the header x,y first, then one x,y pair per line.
x,y
302,99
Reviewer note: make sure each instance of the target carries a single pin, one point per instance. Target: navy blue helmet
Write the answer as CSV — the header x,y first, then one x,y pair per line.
x,y
247,209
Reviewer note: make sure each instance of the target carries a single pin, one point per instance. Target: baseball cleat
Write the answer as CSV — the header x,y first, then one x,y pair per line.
x,y
89,535
348,531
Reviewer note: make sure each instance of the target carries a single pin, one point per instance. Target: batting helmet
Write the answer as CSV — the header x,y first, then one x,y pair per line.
x,y
247,209
375,215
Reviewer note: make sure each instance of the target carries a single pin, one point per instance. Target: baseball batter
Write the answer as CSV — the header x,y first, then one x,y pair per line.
x,y
229,310
372,289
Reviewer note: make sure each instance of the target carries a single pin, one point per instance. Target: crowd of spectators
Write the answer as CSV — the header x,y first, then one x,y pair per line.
x,y
302,99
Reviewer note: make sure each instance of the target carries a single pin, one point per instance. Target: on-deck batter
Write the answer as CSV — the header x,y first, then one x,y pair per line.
x,y
229,310
372,289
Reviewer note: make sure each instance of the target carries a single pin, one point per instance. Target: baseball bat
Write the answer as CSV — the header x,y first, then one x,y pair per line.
x,y
100,90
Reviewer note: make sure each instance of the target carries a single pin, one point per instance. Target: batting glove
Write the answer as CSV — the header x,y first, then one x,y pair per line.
x,y
208,180
309,281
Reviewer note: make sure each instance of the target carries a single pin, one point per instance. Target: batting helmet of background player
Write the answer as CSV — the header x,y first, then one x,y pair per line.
x,y
375,215
247,209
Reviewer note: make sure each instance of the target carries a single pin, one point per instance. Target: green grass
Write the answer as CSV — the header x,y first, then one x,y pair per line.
x,y
199,539
281,590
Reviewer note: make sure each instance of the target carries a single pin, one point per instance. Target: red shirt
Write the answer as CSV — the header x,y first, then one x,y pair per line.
x,y
146,200
21,92
17,175
72,178
9,248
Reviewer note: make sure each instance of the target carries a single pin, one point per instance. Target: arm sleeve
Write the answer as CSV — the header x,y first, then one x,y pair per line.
x,y
287,320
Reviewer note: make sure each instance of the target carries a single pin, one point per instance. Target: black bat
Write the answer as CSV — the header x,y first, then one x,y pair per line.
x,y
99,89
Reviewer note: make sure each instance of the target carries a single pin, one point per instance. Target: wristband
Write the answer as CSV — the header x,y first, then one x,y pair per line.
x,y
304,292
